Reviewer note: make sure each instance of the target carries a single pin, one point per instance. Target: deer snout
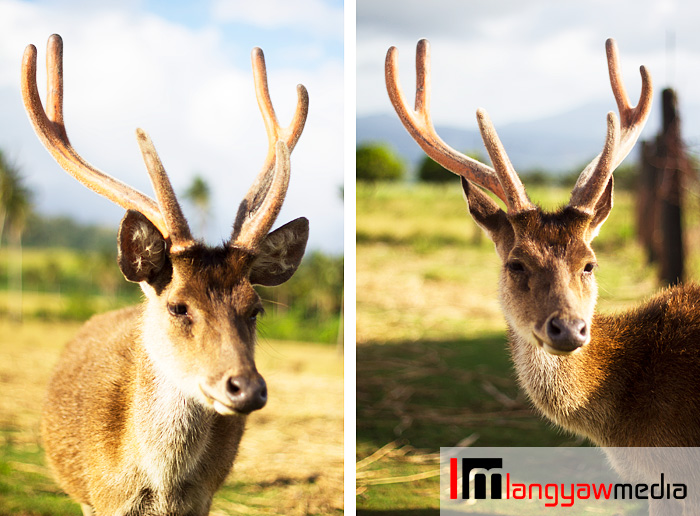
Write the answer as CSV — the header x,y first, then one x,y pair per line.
x,y
565,335
246,393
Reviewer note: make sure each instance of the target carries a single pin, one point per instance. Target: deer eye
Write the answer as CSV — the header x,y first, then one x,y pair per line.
x,y
178,309
515,266
255,312
589,267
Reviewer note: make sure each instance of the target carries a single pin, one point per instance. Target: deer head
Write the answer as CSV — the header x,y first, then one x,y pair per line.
x,y
199,320
548,290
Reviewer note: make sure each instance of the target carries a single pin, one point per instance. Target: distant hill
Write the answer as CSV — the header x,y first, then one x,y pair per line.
x,y
62,231
557,144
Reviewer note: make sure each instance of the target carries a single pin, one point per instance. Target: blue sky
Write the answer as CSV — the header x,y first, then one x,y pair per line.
x,y
181,71
247,29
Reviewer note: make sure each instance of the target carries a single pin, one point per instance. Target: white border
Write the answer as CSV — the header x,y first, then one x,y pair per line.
x,y
349,236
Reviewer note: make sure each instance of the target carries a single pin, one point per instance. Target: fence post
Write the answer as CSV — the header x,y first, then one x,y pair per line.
x,y
670,191
647,219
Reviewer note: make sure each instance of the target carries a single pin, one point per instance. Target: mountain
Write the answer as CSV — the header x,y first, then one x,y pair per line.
x,y
557,144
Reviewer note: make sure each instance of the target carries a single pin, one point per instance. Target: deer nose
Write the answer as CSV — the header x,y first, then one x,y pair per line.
x,y
567,335
247,393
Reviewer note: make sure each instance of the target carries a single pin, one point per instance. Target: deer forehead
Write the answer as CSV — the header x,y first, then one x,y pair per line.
x,y
213,277
551,239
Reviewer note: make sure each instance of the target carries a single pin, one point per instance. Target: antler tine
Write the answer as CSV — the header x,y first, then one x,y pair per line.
x,y
50,129
620,139
419,124
291,133
257,226
262,203
54,84
516,197
180,235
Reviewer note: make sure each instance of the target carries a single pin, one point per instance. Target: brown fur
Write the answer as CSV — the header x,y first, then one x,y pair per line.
x,y
627,380
146,408
635,381
97,458
137,418
631,378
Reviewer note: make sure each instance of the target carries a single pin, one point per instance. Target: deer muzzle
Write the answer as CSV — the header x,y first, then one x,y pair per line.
x,y
246,393
564,335
237,394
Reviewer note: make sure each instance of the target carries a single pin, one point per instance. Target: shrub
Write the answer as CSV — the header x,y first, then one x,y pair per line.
x,y
378,162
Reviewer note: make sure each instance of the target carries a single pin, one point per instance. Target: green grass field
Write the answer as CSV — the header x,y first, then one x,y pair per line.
x,y
69,284
432,363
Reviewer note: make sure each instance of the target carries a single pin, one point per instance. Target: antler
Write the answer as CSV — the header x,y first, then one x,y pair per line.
x,y
165,214
621,136
503,181
515,197
264,199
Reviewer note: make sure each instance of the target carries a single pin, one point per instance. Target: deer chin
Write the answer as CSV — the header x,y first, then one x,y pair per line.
x,y
546,346
220,407
541,344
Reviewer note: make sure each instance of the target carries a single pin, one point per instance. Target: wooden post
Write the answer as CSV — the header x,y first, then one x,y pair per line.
x,y
670,191
647,187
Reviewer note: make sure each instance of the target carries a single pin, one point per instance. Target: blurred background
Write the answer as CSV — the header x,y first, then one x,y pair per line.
x,y
433,367
180,70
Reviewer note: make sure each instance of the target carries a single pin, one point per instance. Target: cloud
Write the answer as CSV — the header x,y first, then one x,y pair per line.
x,y
191,89
316,16
452,18
524,60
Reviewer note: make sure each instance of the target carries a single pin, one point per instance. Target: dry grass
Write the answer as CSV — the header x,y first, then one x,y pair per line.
x,y
291,460
297,440
427,296
433,369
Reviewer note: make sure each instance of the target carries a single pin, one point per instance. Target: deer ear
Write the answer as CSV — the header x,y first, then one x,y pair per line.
x,y
486,213
142,250
280,253
601,211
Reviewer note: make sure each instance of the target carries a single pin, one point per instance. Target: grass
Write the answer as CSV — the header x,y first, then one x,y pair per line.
x,y
69,284
432,365
62,284
291,459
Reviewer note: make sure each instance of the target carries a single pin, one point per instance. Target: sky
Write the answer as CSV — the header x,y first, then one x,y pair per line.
x,y
181,70
527,59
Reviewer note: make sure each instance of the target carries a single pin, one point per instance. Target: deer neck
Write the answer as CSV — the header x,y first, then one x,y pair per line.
x,y
172,430
573,390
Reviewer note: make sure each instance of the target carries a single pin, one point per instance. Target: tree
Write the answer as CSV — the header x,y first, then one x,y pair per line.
x,y
378,162
199,194
430,171
15,200
15,207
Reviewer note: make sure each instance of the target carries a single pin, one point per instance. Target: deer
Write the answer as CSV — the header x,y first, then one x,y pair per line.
x,y
146,408
623,380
